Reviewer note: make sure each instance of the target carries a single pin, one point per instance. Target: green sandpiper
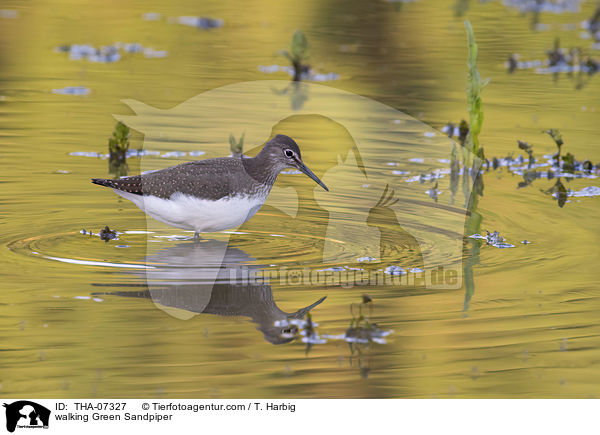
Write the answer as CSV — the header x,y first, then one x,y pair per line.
x,y
213,194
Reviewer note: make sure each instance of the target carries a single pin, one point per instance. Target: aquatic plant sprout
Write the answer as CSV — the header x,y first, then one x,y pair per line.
x,y
237,147
474,87
298,54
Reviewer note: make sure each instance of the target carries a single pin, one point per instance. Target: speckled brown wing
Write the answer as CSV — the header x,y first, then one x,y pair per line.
x,y
207,179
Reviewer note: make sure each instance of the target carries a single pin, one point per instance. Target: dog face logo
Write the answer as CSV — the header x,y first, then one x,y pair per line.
x,y
26,414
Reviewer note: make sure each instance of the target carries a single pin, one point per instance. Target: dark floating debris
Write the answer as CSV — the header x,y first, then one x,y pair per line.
x,y
558,60
107,234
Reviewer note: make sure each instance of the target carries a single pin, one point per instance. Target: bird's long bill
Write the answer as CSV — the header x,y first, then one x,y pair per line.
x,y
303,168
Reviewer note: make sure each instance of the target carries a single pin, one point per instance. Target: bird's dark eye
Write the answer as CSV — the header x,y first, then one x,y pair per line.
x,y
288,153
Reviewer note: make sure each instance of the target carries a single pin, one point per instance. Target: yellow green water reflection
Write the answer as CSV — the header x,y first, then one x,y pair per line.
x,y
531,328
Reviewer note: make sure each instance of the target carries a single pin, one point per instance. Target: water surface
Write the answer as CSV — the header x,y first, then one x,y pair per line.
x,y
132,317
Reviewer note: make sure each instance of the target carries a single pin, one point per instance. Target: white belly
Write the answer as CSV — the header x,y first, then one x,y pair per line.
x,y
200,215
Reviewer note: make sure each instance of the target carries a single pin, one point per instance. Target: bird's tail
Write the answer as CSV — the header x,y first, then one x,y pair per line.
x,y
104,182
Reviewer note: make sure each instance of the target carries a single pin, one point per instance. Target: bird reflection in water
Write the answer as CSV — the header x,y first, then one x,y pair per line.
x,y
211,277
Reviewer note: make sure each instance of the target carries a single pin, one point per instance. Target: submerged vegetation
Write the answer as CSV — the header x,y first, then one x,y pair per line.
x,y
560,165
472,178
557,137
472,183
360,334
573,61
528,149
118,145
557,165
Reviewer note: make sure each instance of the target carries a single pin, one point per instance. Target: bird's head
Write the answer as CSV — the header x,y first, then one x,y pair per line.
x,y
283,152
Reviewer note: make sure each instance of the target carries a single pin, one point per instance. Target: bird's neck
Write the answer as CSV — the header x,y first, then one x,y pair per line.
x,y
260,170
